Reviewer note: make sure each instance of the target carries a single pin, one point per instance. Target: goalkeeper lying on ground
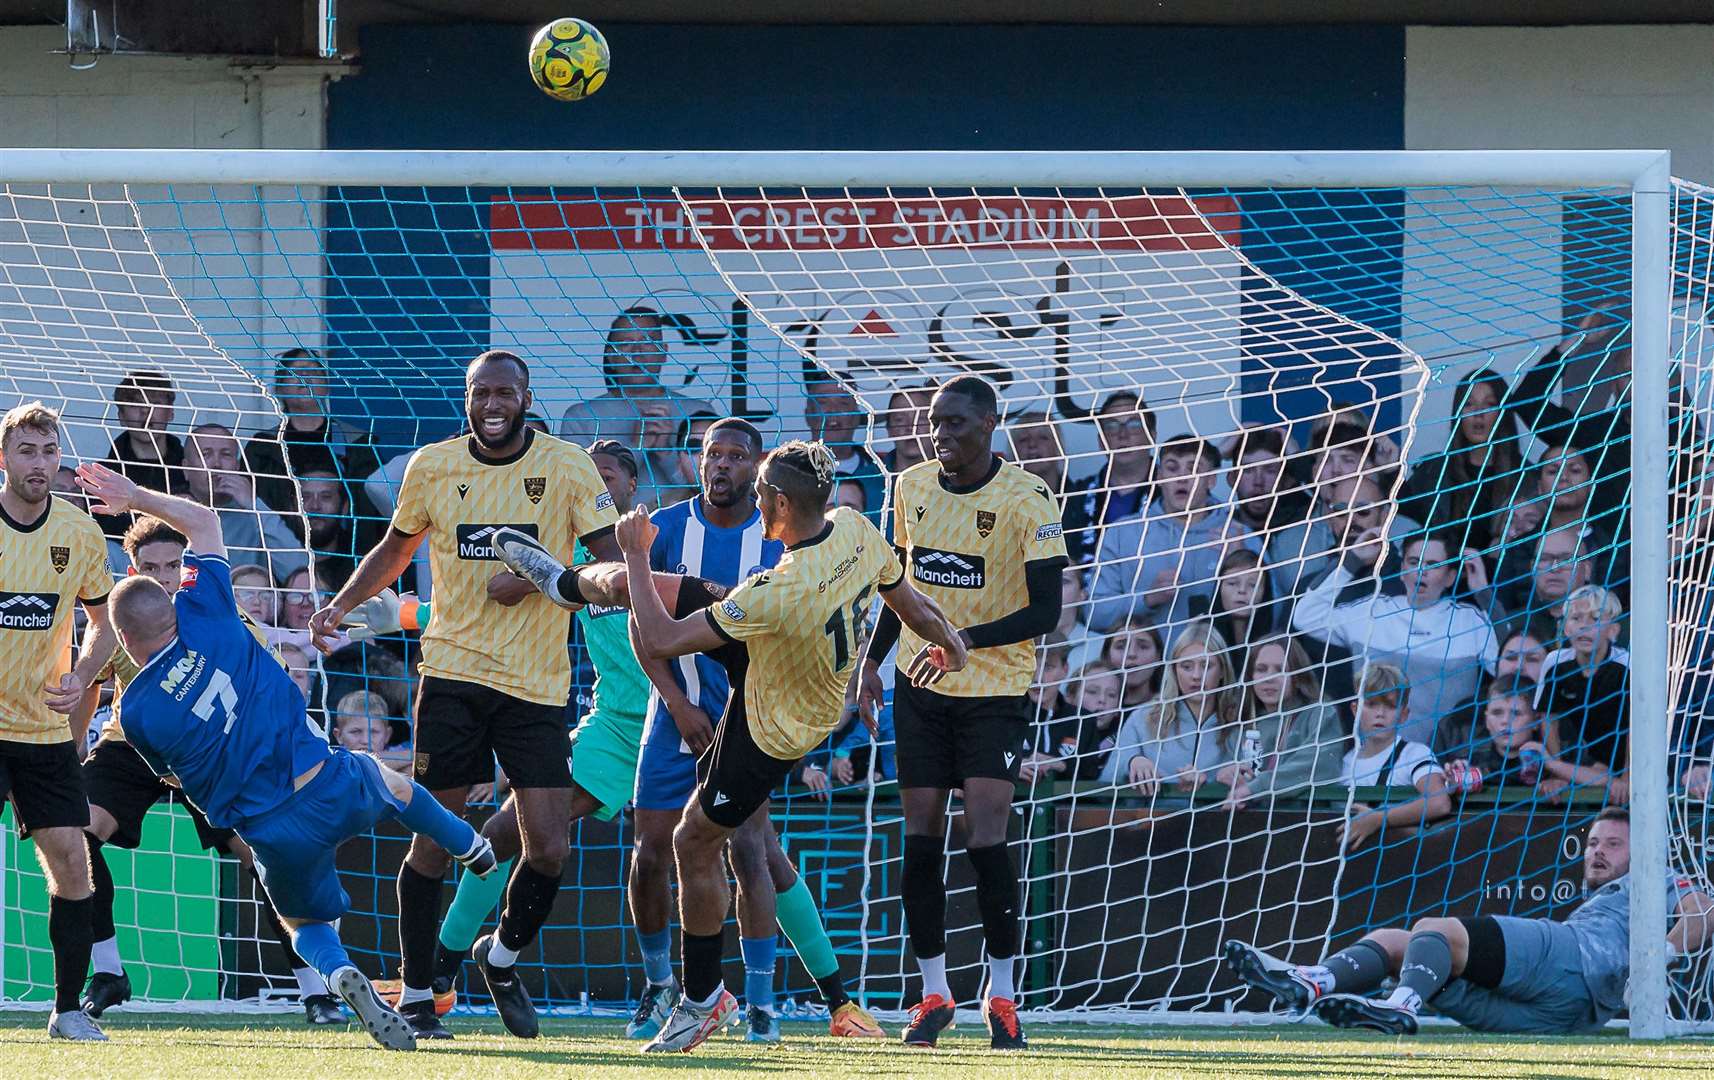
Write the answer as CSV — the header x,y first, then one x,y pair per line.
x,y
1495,972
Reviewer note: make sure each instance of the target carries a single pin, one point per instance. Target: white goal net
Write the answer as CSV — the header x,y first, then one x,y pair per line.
x,y
1309,435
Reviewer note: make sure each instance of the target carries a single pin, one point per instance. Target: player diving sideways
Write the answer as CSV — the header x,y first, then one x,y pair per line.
x,y
210,709
1494,972
788,638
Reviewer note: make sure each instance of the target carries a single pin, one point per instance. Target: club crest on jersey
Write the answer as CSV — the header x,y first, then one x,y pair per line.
x,y
463,490
984,523
60,557
535,487
949,569
477,541
28,611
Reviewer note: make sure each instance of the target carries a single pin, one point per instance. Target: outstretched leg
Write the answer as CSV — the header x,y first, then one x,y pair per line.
x,y
1355,969
318,943
801,923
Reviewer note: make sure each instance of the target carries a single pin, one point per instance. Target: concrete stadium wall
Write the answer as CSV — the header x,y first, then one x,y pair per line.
x,y
254,290
258,290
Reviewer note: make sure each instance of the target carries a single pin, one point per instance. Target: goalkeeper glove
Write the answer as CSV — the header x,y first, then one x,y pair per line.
x,y
374,617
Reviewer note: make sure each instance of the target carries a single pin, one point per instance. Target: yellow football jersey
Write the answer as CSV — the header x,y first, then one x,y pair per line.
x,y
967,550
122,669
550,490
799,623
45,569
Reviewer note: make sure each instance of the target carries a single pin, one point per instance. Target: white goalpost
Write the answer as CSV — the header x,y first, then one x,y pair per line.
x,y
1129,306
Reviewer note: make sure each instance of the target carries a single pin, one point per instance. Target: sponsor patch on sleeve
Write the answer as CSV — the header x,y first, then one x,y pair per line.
x,y
604,501
1048,532
731,610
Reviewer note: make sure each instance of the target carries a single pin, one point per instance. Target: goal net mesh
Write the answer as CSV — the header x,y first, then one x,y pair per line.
x,y
1333,464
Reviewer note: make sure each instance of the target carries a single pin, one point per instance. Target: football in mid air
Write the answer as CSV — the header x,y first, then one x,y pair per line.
x,y
568,59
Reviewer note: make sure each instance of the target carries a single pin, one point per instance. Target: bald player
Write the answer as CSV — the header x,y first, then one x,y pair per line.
x,y
213,711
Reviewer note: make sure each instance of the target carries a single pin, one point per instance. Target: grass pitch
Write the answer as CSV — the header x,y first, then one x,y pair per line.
x,y
283,1048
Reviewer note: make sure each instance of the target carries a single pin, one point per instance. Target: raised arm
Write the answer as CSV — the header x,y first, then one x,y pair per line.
x,y
659,635
113,493
1317,611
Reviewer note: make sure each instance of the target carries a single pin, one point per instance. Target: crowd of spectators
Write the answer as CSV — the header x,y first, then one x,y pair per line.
x,y
1296,607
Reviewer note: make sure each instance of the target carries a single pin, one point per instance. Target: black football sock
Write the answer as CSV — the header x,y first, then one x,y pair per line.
x,y
1358,968
447,964
1427,966
997,898
419,921
923,891
529,899
70,930
566,587
832,989
101,912
700,955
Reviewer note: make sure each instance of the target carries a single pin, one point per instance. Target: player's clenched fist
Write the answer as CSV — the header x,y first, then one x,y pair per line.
x,y
635,532
324,628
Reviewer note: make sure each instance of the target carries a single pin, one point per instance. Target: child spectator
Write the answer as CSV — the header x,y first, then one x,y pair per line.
x,y
1073,623
1585,694
1444,646
298,601
1135,653
1242,605
1054,716
1099,711
1465,728
255,593
1301,736
1511,725
360,722
1176,740
1383,757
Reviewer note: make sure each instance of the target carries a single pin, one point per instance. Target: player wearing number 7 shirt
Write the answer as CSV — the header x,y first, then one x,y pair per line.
x,y
211,710
788,639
